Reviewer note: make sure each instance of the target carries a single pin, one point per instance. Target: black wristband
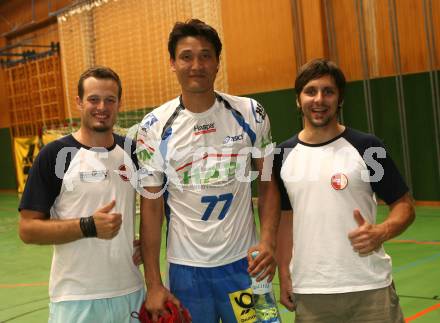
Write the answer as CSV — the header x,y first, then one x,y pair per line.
x,y
92,227
83,226
88,227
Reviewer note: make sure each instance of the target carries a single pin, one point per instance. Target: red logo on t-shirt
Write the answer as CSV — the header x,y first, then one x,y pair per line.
x,y
339,181
124,173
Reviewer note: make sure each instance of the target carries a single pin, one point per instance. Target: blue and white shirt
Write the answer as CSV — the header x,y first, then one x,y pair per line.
x,y
205,159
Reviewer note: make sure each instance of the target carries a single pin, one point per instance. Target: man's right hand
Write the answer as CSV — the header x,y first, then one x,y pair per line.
x,y
156,299
107,224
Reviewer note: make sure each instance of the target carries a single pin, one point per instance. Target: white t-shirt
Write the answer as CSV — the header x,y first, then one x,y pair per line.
x,y
323,184
205,157
88,268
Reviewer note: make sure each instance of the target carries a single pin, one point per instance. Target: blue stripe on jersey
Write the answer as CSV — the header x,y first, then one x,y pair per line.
x,y
163,147
246,127
238,116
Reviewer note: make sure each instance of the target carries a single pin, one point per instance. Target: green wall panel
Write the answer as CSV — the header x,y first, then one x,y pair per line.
x,y
353,110
419,116
386,117
7,180
285,120
421,140
126,119
281,108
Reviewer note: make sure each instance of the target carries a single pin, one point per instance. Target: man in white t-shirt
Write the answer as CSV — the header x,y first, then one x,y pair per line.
x,y
79,197
332,265
197,151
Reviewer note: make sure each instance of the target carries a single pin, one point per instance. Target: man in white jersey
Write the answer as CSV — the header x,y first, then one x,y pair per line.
x,y
79,198
332,265
196,150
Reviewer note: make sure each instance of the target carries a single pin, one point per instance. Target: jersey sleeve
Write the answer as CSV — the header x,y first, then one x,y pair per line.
x,y
263,140
277,164
384,177
151,164
391,186
42,185
129,146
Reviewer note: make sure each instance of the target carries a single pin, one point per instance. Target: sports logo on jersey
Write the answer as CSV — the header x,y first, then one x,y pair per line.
x,y
124,173
204,128
243,306
148,122
143,151
259,113
202,175
339,181
93,176
232,139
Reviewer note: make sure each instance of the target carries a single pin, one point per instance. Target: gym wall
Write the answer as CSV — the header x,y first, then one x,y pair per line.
x,y
386,49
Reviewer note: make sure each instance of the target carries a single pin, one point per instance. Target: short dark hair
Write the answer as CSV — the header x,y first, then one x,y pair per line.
x,y
317,68
99,72
193,27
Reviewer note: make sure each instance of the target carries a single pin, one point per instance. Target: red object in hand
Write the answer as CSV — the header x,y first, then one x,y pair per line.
x,y
175,315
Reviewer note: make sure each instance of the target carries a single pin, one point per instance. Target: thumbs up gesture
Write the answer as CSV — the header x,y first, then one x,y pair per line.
x,y
366,237
107,224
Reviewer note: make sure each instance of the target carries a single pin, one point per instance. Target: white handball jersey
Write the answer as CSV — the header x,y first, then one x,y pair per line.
x,y
204,162
323,184
69,180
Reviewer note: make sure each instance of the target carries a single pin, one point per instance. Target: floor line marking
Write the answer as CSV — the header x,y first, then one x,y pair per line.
x,y
24,304
416,263
437,243
423,312
23,285
24,314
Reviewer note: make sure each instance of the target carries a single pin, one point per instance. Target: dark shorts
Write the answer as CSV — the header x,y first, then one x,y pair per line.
x,y
373,306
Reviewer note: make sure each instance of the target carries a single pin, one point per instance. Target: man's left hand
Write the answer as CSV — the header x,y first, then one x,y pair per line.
x,y
264,265
366,237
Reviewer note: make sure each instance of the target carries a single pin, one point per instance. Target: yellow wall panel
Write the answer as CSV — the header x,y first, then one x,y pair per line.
x,y
384,40
314,28
258,41
412,43
435,14
347,38
412,37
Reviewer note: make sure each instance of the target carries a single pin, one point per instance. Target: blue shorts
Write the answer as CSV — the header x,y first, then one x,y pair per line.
x,y
215,293
108,310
